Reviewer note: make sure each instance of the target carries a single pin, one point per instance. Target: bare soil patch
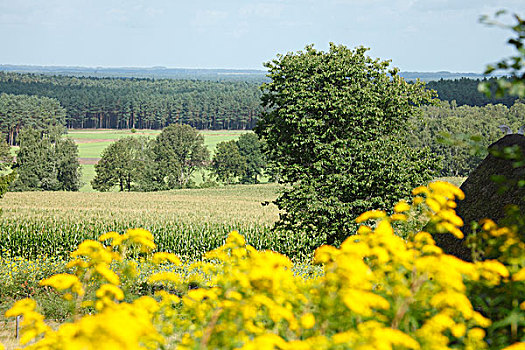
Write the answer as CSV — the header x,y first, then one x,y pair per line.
x,y
88,160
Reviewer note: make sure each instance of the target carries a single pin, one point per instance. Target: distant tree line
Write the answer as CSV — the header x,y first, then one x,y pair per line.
x,y
143,103
124,103
464,91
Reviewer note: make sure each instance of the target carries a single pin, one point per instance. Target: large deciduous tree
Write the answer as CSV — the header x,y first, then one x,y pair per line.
x,y
334,124
46,161
228,164
250,148
122,163
176,154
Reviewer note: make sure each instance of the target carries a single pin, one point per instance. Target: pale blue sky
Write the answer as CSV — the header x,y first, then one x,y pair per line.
x,y
418,35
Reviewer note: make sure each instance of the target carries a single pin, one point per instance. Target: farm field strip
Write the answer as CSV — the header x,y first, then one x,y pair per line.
x,y
187,222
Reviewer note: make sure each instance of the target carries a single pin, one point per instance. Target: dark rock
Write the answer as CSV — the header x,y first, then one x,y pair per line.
x,y
483,197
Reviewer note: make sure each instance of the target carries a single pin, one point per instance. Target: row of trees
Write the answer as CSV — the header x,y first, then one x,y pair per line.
x,y
155,104
143,103
171,159
464,91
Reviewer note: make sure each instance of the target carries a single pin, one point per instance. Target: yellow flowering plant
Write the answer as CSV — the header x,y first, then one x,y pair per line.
x,y
377,291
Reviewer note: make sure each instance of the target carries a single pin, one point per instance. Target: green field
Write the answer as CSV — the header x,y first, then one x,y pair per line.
x,y
91,143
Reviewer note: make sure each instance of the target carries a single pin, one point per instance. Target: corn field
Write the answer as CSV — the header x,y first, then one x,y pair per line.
x,y
187,222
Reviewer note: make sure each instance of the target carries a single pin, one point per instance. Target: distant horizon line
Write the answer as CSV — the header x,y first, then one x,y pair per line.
x,y
11,65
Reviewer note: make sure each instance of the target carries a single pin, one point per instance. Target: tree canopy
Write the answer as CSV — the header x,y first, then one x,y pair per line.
x,y
228,164
333,123
122,163
19,111
46,161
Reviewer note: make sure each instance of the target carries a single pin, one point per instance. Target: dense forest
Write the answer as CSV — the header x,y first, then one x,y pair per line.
x,y
460,123
124,103
143,103
465,92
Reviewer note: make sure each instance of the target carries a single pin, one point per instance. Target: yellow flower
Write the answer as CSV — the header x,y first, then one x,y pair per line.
x,y
165,276
398,217
324,254
450,215
236,239
362,302
444,226
267,341
515,346
420,190
107,274
163,256
401,206
493,270
433,204
111,291
446,189
307,320
369,215
142,237
21,307
520,275
363,229
64,281
109,235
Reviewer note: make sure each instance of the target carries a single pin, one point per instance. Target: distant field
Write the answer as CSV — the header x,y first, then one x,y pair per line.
x,y
91,143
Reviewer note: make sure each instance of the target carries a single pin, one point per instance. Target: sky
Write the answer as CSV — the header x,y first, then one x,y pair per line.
x,y
417,35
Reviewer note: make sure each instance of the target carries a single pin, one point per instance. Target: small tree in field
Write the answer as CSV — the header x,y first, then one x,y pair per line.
x,y
227,163
333,123
250,148
121,164
176,154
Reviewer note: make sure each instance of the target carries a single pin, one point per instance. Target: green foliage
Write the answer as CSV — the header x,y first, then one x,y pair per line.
x,y
464,91
143,103
19,111
45,161
514,83
333,123
250,148
177,152
242,160
447,129
227,163
122,163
